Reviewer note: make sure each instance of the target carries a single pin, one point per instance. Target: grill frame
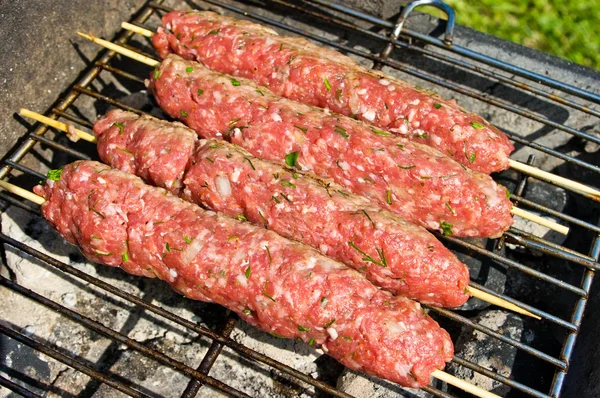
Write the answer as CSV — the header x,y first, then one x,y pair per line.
x,y
220,339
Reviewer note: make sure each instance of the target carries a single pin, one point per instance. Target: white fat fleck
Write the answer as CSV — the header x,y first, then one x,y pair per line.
x,y
391,88
360,167
218,96
402,370
241,279
344,165
168,26
384,82
362,91
112,146
223,186
173,273
411,114
235,175
436,139
323,248
369,115
163,151
333,333
236,132
101,180
276,117
415,102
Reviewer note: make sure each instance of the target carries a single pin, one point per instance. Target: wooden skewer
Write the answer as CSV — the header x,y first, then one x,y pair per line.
x,y
463,385
448,378
152,62
522,167
90,138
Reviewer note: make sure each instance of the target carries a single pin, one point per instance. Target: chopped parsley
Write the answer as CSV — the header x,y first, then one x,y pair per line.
x,y
269,254
248,272
446,228
472,158
189,69
157,73
339,95
303,129
214,32
291,158
507,193
311,342
260,93
327,85
412,166
367,215
288,184
450,208
265,222
341,131
235,82
329,324
285,197
249,161
388,194
382,260
168,247
120,126
125,257
241,217
55,174
187,240
183,113
275,199
437,106
247,311
200,91
232,237
424,135
303,329
380,132
210,160
477,126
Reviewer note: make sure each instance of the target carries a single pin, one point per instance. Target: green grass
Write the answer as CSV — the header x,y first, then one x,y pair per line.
x,y
568,29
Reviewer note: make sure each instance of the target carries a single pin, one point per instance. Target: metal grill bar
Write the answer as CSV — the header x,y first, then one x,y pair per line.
x,y
467,53
111,334
17,388
44,348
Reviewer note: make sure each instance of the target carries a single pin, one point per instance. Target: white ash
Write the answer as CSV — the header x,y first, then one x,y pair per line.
x,y
360,385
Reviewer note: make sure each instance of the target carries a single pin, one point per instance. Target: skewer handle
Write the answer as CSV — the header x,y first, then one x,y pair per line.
x,y
56,124
121,50
463,385
480,294
136,29
22,192
549,177
540,220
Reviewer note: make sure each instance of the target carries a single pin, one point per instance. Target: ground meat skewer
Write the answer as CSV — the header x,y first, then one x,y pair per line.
x,y
392,253
415,181
280,286
296,69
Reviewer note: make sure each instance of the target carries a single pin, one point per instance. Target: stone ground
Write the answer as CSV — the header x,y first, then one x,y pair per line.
x,y
46,56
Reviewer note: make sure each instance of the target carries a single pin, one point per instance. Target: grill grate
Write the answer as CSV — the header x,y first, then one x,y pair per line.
x,y
337,18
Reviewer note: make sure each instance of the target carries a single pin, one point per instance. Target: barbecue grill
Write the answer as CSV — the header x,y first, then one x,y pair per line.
x,y
111,331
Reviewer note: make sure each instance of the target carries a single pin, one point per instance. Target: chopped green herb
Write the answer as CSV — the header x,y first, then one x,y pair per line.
x,y
309,275
241,217
291,158
339,95
210,160
466,290
437,106
367,214
311,342
477,126
472,158
269,254
168,247
183,113
214,32
412,166
124,150
280,46
157,73
248,272
187,240
285,197
265,222
232,237
189,69
125,257
424,135
303,329
267,296
446,228
507,193
341,131
275,199
96,237
329,324
249,161
344,194
213,146
247,311
276,176
400,146
235,82
347,338
55,174
389,196
380,132
120,126
288,184
303,129
411,374
327,85
101,254
260,93
380,253
200,91
450,208
324,302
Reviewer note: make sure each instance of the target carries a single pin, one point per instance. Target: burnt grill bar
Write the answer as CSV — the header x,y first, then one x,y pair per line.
x,y
221,339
